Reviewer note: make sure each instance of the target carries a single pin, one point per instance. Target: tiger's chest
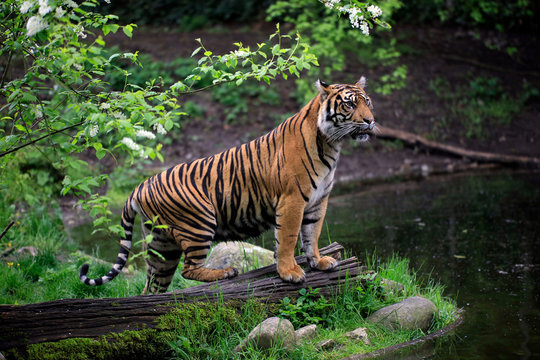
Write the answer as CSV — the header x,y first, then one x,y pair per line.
x,y
324,186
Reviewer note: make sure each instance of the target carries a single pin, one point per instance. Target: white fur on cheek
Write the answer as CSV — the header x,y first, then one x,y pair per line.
x,y
324,126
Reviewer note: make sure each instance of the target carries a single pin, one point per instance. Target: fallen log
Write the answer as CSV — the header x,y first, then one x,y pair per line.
x,y
417,140
22,325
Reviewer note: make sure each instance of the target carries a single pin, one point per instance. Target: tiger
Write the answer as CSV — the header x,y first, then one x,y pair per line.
x,y
282,179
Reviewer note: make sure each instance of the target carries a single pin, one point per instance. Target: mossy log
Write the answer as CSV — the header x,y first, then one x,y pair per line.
x,y
21,325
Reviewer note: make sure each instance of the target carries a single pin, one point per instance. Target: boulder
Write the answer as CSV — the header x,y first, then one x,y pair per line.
x,y
240,255
326,344
359,334
270,332
305,332
412,313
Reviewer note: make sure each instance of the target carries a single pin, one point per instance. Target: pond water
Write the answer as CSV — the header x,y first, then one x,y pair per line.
x,y
479,235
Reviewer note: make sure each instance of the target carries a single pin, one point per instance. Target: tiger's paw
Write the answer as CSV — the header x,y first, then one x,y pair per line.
x,y
230,272
326,263
295,275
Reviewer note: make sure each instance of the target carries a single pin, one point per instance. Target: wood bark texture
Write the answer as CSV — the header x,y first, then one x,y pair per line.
x,y
416,140
21,325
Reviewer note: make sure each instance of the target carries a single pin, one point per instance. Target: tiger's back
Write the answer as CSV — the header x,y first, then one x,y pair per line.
x,y
281,180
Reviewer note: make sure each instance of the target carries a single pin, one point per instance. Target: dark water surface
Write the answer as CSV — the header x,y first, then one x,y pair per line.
x,y
479,235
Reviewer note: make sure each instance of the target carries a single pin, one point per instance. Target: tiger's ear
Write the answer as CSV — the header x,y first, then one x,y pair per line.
x,y
362,82
323,88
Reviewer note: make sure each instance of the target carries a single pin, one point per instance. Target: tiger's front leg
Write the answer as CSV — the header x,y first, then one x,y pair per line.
x,y
311,229
288,221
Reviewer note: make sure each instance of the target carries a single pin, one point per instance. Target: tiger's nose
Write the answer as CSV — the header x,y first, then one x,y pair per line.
x,y
370,122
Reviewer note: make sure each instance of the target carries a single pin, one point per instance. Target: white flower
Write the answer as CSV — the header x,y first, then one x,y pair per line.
x,y
119,115
141,154
93,131
107,1
159,129
59,12
35,24
104,106
240,53
80,32
364,27
374,10
38,113
145,134
331,3
71,4
77,67
44,7
26,6
354,18
130,144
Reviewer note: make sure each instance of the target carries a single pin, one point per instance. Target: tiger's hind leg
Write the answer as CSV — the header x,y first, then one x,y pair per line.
x,y
163,256
196,250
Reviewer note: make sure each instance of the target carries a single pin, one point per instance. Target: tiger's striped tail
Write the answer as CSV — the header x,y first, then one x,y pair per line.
x,y
128,218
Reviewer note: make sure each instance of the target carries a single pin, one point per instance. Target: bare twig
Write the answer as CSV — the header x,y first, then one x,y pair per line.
x,y
6,229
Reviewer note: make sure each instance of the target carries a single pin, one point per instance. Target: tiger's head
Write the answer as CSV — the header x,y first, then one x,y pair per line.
x,y
345,111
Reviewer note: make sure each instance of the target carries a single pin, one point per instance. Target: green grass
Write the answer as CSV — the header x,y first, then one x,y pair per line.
x,y
219,329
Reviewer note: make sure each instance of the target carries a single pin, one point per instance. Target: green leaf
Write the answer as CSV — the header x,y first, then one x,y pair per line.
x,y
101,153
196,51
128,30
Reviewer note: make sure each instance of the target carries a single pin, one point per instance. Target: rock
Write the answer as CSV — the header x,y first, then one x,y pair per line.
x,y
392,286
327,344
411,313
269,332
28,249
240,255
359,334
305,332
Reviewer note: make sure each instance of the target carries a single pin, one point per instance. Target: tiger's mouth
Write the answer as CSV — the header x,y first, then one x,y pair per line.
x,y
363,132
361,135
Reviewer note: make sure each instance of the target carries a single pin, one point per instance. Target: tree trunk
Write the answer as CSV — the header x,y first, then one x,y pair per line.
x,y
62,319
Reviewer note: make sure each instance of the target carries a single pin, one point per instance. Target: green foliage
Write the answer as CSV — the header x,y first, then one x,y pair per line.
x,y
66,97
333,40
308,308
482,103
211,330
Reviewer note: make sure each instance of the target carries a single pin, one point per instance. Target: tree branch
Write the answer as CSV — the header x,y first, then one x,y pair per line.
x,y
41,138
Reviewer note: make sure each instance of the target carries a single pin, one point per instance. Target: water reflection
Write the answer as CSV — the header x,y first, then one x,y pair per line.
x,y
478,235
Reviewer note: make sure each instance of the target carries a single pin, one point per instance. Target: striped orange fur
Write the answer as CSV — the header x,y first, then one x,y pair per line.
x,y
281,180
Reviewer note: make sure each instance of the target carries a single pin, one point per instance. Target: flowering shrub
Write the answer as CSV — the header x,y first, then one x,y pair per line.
x,y
332,38
55,103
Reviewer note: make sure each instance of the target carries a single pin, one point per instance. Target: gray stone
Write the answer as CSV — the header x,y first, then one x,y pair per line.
x,y
327,344
411,313
392,286
305,332
359,334
240,255
271,331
